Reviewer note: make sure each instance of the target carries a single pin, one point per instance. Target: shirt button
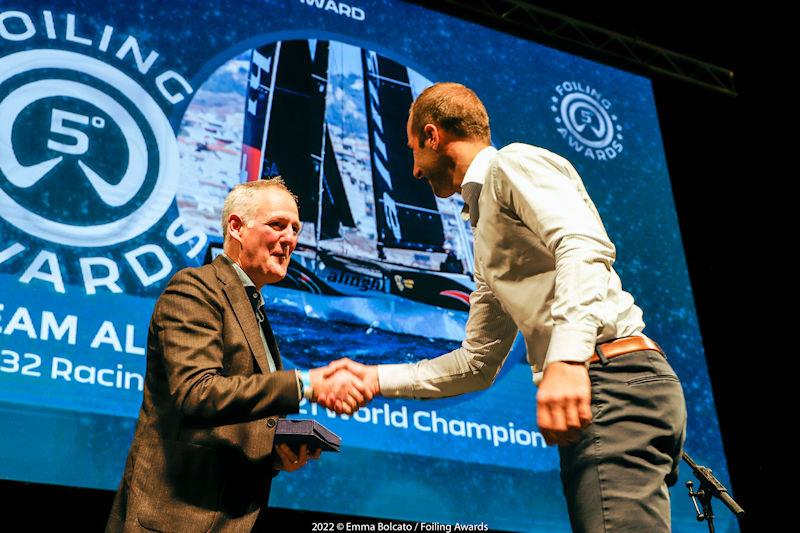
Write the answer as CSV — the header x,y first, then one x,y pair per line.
x,y
270,422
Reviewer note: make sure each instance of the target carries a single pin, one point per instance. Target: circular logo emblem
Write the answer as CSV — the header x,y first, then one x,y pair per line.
x,y
87,157
584,119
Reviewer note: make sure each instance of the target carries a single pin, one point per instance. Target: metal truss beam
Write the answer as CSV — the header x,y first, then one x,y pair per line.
x,y
532,21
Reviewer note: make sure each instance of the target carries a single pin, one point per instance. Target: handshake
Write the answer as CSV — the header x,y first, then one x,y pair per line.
x,y
344,385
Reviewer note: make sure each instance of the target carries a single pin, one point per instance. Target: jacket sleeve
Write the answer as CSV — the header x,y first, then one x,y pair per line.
x,y
188,322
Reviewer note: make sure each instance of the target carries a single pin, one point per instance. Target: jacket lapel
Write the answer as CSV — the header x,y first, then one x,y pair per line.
x,y
237,298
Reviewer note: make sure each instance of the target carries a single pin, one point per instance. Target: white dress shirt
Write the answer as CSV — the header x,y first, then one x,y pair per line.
x,y
543,266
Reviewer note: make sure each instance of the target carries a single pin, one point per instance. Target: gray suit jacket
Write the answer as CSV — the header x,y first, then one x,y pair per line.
x,y
201,457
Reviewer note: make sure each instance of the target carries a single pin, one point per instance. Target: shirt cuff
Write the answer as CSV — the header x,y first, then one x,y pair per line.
x,y
395,380
571,342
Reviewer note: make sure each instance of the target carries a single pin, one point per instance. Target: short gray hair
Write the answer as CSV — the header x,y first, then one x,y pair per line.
x,y
241,200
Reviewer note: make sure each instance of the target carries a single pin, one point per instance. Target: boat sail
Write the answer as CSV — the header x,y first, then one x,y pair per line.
x,y
403,278
409,218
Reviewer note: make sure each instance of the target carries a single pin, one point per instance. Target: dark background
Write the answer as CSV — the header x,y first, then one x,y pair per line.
x,y
731,163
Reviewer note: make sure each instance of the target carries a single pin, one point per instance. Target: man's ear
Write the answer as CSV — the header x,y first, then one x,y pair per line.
x,y
235,225
432,135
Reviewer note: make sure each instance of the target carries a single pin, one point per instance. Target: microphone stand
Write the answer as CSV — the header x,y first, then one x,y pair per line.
x,y
709,487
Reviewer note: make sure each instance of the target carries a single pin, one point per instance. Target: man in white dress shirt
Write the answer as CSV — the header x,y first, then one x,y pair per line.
x,y
543,266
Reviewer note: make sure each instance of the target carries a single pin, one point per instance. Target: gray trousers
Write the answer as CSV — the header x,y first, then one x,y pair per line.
x,y
616,476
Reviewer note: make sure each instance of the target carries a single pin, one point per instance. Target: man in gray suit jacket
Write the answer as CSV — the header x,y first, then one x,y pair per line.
x,y
202,457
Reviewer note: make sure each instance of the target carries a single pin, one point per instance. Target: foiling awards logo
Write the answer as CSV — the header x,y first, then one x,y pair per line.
x,y
115,161
585,120
89,163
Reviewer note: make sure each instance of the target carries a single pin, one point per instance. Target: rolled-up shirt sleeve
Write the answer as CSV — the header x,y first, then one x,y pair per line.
x,y
547,194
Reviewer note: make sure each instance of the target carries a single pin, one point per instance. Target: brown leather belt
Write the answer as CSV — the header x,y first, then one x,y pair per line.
x,y
624,345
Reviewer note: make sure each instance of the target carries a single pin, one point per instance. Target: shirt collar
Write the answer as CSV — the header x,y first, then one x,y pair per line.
x,y
246,281
473,182
477,170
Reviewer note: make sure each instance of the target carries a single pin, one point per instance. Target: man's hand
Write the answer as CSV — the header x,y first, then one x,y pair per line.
x,y
339,390
563,403
366,375
291,460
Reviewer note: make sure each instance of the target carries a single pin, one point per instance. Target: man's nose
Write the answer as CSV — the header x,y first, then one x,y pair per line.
x,y
288,236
